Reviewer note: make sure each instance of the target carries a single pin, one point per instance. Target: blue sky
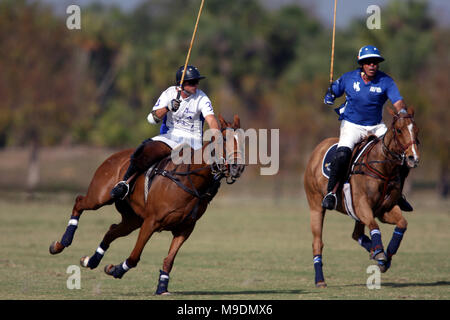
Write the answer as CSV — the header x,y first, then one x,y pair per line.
x,y
323,9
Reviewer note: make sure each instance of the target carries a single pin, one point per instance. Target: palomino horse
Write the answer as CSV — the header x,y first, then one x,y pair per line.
x,y
375,188
177,197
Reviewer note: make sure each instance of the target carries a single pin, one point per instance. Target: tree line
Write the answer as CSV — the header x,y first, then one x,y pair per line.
x,y
96,85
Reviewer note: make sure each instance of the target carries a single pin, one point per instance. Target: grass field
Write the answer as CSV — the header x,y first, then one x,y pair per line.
x,y
242,248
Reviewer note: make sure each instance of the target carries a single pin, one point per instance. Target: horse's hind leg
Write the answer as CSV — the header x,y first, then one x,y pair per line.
x,y
394,217
95,198
130,222
317,216
179,237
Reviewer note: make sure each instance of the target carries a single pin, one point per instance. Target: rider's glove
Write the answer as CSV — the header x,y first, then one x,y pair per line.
x,y
329,97
174,105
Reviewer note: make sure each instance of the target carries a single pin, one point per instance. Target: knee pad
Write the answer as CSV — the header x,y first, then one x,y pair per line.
x,y
343,155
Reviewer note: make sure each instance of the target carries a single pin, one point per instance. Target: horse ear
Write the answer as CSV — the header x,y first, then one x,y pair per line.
x,y
410,110
223,123
236,122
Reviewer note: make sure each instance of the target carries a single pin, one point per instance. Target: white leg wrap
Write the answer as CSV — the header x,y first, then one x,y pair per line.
x,y
125,267
73,222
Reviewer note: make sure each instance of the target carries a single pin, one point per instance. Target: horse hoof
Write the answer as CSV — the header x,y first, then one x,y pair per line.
x,y
321,284
109,269
55,247
84,261
380,257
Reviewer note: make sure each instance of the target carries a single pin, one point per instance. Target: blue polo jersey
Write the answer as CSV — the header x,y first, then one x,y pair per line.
x,y
364,102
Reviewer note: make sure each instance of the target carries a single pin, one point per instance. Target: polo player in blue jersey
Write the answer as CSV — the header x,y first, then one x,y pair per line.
x,y
366,90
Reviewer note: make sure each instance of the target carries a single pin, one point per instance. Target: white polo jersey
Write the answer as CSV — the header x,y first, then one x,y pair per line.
x,y
186,124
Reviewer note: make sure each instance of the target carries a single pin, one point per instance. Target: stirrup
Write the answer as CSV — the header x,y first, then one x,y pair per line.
x,y
118,190
326,201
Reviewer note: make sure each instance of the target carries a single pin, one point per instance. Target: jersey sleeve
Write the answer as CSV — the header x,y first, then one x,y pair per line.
x,y
392,91
163,100
206,107
338,86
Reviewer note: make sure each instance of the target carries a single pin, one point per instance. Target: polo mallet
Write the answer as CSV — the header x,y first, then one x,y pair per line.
x,y
332,43
189,51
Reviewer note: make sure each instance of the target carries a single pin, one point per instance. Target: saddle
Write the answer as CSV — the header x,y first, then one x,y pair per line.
x,y
159,168
360,149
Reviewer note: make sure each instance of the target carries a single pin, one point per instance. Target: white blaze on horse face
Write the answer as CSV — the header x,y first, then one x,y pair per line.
x,y
413,146
234,147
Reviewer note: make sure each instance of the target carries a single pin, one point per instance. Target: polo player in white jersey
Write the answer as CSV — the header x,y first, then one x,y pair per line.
x,y
181,121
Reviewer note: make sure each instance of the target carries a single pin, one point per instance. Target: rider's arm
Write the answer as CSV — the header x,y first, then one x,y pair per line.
x,y
400,105
394,95
160,108
212,122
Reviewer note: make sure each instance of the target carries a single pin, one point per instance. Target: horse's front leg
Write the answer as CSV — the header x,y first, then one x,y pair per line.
x,y
129,223
395,217
147,229
359,236
365,214
179,237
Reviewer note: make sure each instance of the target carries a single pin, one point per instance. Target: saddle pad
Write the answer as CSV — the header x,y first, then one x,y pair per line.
x,y
347,191
148,181
327,159
348,201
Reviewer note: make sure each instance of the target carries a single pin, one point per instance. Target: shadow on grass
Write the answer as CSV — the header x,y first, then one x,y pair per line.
x,y
416,284
246,292
401,285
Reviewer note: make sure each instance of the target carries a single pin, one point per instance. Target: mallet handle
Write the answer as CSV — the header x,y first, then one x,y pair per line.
x,y
332,43
190,48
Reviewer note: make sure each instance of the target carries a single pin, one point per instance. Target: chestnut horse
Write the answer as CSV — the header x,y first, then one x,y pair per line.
x,y
375,187
177,198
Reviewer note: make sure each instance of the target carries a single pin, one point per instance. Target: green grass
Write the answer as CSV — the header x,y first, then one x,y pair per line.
x,y
242,248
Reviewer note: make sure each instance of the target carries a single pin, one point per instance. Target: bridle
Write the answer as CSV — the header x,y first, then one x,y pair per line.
x,y
221,168
399,156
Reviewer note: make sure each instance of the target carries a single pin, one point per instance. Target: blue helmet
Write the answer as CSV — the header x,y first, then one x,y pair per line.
x,y
367,52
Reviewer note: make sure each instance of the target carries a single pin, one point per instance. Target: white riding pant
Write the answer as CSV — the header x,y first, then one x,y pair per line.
x,y
351,133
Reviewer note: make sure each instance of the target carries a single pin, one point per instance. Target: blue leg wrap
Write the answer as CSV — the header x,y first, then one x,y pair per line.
x,y
365,242
67,237
94,261
318,269
377,245
163,282
396,239
120,270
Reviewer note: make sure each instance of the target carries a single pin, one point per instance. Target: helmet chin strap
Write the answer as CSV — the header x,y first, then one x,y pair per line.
x,y
181,90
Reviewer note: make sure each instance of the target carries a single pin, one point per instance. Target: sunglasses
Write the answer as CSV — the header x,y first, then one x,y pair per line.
x,y
191,82
371,61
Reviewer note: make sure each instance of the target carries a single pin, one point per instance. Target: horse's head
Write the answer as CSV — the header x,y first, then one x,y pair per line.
x,y
405,137
233,165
